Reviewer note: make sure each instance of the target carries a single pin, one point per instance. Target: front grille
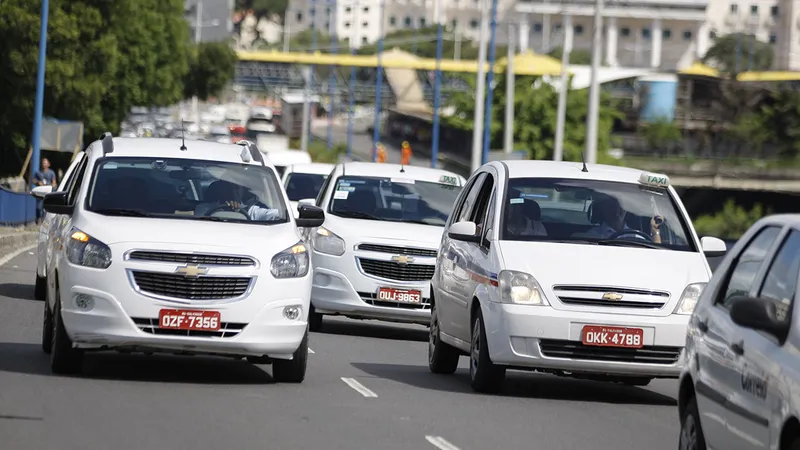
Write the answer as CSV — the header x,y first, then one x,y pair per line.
x,y
372,299
226,329
192,258
398,250
180,286
652,354
396,271
593,296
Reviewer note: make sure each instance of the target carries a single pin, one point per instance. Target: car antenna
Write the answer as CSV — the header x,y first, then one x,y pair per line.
x,y
183,135
583,160
402,167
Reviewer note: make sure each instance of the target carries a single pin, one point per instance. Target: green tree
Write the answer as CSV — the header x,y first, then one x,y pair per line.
x,y
779,117
731,54
577,57
730,223
535,106
264,8
212,67
661,134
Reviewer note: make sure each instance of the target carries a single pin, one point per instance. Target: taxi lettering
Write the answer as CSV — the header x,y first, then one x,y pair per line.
x,y
657,180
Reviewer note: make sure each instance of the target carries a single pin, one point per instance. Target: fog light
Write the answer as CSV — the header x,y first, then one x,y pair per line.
x,y
292,312
84,302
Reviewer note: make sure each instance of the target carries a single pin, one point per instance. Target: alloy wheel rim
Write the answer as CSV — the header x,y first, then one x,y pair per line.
x,y
475,350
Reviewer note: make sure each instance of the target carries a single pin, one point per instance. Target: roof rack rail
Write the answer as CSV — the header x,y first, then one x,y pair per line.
x,y
108,143
255,153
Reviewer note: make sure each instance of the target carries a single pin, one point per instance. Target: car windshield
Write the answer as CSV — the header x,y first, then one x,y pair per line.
x,y
393,199
303,185
593,212
186,189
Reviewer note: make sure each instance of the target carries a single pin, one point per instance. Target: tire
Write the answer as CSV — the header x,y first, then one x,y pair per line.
x,y
264,359
485,376
40,288
314,319
47,329
691,437
64,360
442,357
638,381
292,370
795,445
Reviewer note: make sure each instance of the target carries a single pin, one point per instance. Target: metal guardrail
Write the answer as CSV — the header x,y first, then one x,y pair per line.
x,y
16,208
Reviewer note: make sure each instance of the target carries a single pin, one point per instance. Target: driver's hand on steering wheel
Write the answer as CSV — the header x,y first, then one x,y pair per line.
x,y
234,204
655,233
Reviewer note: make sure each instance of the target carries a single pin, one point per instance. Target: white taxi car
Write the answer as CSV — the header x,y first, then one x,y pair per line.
x,y
377,252
304,181
180,248
739,388
584,271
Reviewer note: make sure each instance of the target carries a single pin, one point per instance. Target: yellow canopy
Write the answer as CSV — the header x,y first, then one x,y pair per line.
x,y
530,63
768,76
701,70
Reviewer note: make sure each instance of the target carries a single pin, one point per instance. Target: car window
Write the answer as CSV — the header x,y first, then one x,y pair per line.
x,y
780,283
393,199
588,211
74,186
465,213
300,186
186,189
321,194
71,171
744,270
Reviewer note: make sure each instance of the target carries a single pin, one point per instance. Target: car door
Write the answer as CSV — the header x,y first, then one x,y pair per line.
x,y
719,361
47,228
757,397
455,277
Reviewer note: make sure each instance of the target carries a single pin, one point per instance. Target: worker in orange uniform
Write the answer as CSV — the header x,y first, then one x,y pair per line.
x,y
406,153
381,153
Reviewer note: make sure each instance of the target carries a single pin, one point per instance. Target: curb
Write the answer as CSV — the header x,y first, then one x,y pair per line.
x,y
13,241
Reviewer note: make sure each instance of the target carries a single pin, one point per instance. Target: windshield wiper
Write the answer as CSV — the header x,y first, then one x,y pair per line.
x,y
121,212
628,243
356,215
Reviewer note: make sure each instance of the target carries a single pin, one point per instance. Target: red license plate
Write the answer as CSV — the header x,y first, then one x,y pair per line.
x,y
612,336
399,295
182,319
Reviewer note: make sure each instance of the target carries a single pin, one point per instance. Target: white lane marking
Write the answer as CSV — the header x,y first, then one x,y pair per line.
x,y
441,443
358,387
16,253
310,351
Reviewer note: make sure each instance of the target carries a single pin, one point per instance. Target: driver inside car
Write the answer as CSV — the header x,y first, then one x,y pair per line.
x,y
612,222
226,196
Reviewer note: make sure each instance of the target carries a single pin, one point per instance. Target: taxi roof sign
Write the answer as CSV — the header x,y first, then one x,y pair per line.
x,y
654,179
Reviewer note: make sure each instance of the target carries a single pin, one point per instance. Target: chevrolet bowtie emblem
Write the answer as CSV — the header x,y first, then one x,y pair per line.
x,y
191,271
403,259
613,296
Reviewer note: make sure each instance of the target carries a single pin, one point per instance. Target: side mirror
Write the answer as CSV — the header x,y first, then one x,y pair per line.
x,y
713,247
759,314
56,203
309,216
41,191
464,231
306,201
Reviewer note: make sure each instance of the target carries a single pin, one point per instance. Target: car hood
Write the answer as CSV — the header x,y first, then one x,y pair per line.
x,y
355,231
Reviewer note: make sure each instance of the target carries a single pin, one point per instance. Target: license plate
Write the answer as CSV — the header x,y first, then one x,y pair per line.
x,y
612,336
182,319
399,295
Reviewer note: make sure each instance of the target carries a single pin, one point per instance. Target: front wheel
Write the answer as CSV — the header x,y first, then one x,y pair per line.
x,y
47,329
292,370
40,288
64,359
485,376
314,319
442,358
691,437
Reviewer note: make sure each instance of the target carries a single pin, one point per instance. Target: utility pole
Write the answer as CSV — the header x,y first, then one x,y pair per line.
x,y
508,138
594,87
376,131
480,88
437,85
37,115
566,50
487,112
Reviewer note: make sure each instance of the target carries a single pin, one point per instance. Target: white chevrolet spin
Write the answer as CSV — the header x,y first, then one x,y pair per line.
x,y
584,271
375,257
187,248
304,181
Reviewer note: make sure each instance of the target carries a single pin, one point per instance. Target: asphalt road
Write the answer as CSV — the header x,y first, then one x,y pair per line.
x,y
368,387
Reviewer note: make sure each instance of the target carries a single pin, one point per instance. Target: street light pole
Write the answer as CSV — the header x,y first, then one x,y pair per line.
x,y
566,50
437,84
487,117
376,132
480,93
508,137
37,116
594,87
198,26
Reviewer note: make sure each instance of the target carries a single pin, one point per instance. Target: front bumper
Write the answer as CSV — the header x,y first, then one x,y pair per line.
x,y
534,337
122,318
340,288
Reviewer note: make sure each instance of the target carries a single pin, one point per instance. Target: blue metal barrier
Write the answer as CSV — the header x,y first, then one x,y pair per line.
x,y
16,208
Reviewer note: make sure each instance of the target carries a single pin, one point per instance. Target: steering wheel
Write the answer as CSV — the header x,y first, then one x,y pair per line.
x,y
229,212
636,232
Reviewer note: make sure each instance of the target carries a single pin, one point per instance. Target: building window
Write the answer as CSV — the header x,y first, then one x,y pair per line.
x,y
365,9
558,27
754,9
327,25
393,21
774,11
312,13
687,35
347,24
454,23
299,17
666,34
473,23
578,29
773,38
422,22
537,28
364,24
328,11
348,9
625,32
712,34
734,8
646,33
407,21
364,39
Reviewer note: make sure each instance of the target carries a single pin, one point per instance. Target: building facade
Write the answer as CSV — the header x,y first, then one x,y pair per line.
x,y
215,19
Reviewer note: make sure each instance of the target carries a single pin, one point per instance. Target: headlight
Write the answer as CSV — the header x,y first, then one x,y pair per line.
x,y
290,263
327,242
87,251
689,298
520,288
